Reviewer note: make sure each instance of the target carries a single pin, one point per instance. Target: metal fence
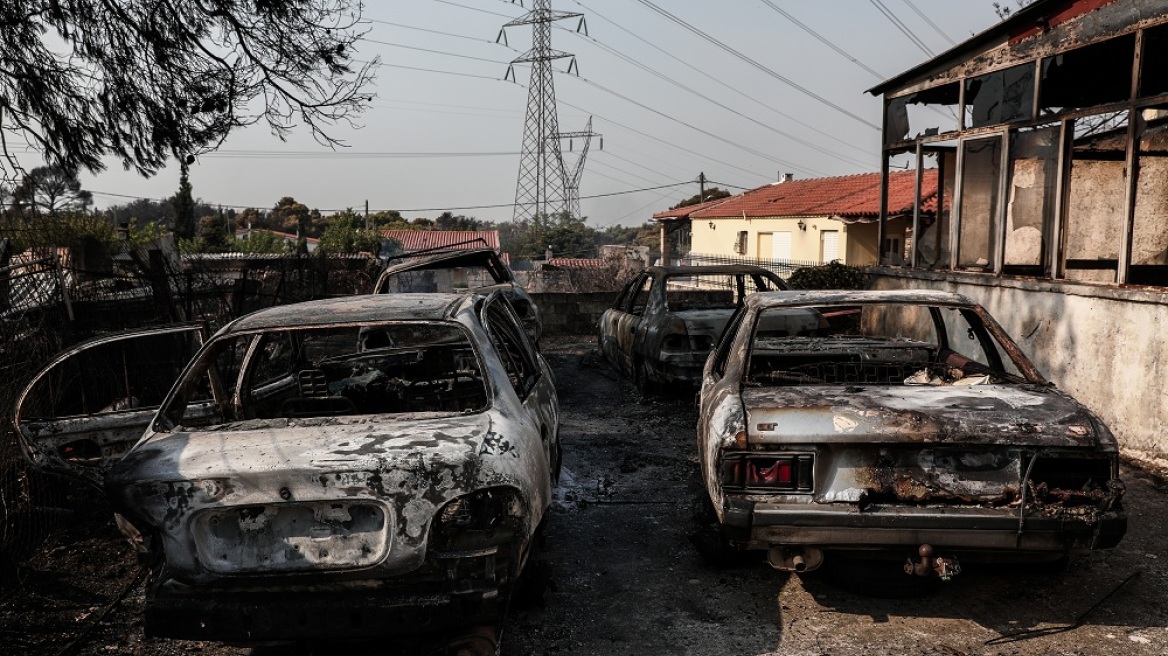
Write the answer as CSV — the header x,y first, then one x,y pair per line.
x,y
781,268
51,298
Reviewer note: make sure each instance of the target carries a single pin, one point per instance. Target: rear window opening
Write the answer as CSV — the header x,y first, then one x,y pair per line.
x,y
328,372
876,344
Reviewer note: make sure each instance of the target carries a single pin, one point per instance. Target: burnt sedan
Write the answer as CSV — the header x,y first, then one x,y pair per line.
x,y
476,270
342,468
666,319
911,426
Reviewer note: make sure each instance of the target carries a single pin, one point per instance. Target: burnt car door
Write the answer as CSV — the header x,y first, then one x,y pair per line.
x,y
92,402
527,372
627,323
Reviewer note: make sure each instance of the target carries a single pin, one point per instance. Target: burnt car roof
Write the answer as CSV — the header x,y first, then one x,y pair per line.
x,y
446,258
353,309
852,297
732,269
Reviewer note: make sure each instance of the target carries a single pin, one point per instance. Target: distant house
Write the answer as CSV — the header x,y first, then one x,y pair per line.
x,y
289,239
816,220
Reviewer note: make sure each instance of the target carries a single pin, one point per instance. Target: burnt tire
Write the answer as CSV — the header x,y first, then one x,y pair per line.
x,y
884,579
642,379
710,542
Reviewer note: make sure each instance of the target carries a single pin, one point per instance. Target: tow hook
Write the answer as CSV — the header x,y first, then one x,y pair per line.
x,y
944,567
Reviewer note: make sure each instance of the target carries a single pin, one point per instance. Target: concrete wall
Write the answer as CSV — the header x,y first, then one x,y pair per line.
x,y
570,313
1105,345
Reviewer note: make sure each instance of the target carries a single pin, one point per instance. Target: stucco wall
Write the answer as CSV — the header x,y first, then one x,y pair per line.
x,y
857,242
1104,345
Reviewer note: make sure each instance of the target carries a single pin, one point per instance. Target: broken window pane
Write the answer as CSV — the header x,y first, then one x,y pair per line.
x,y
1087,77
1149,260
924,113
1154,78
999,97
981,175
1095,205
932,244
1031,201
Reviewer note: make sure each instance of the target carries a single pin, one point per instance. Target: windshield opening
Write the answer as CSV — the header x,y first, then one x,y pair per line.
x,y
877,344
332,371
714,291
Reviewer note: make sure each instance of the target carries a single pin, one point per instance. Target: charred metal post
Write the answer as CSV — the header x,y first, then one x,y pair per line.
x,y
1135,129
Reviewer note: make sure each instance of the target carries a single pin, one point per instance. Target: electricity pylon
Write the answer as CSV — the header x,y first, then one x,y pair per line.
x,y
541,188
572,180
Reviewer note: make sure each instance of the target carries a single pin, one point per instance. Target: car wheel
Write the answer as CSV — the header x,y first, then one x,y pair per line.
x,y
641,378
884,579
709,540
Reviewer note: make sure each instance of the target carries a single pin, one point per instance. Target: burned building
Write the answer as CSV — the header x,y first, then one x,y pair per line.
x,y
1048,133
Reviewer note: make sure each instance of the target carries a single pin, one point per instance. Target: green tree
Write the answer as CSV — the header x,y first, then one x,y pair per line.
x,y
346,234
144,80
184,206
289,215
448,221
213,235
261,241
51,190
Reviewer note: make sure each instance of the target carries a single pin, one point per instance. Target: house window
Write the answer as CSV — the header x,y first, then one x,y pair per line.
x,y
830,245
740,243
781,246
893,250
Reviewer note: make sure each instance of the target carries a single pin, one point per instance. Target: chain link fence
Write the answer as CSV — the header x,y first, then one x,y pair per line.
x,y
54,297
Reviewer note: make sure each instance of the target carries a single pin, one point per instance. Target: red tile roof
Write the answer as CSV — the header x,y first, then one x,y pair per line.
x,y
457,240
849,197
577,262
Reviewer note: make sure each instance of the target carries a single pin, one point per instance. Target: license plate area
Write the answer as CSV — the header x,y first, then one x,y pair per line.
x,y
296,537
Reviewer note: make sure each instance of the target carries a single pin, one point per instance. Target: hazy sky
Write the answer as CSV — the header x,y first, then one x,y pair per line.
x,y
669,104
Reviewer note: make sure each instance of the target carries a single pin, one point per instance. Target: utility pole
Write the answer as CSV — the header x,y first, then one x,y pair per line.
x,y
367,226
542,185
702,187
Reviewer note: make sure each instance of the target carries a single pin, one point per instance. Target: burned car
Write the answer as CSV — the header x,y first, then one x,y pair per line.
x,y
478,270
342,468
666,319
910,427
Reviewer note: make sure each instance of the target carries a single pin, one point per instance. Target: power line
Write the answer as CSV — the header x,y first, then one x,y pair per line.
x,y
611,194
482,11
423,29
720,82
434,70
928,20
674,82
435,52
311,154
695,128
904,29
822,39
771,72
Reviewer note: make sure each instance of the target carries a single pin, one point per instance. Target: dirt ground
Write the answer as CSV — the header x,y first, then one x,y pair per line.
x,y
623,577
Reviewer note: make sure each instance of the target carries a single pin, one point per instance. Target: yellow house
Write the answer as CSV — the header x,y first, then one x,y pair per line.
x,y
811,221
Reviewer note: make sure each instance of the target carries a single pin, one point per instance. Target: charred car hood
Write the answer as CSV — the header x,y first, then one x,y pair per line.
x,y
310,446
1020,415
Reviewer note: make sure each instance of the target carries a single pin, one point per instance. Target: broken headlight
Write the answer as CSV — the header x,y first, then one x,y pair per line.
x,y
473,521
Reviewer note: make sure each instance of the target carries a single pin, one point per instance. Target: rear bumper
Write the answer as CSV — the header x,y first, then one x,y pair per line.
x,y
269,616
971,529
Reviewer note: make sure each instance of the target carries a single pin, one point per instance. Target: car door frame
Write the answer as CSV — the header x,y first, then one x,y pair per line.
x,y
113,432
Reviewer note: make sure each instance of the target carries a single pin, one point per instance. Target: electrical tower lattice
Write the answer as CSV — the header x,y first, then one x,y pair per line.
x,y
543,188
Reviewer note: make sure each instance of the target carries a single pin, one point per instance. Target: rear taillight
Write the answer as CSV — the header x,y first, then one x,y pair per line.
x,y
786,472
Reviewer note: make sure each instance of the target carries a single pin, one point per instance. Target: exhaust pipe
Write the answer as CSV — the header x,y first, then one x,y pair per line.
x,y
795,559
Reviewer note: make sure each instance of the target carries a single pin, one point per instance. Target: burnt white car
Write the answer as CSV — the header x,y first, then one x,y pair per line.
x,y
359,466
910,427
666,319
